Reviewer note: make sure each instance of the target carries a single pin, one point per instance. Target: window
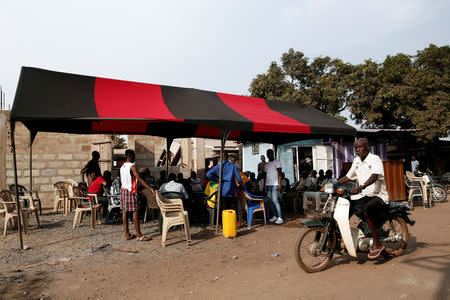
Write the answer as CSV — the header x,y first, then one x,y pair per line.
x,y
255,148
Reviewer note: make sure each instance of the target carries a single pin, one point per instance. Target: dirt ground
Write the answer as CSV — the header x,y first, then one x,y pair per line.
x,y
62,263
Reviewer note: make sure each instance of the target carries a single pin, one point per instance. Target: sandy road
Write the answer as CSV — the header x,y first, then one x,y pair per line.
x,y
218,268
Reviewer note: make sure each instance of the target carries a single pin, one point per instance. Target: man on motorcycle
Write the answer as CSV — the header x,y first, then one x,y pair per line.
x,y
369,197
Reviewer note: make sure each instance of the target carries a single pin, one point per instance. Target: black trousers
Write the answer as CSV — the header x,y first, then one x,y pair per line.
x,y
369,207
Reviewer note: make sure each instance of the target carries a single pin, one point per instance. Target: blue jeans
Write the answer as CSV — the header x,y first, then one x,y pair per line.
x,y
274,204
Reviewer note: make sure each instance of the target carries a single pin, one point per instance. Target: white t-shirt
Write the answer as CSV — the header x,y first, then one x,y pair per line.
x,y
173,186
125,176
271,172
362,170
414,165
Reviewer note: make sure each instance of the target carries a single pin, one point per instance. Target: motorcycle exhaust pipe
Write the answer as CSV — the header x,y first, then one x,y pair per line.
x,y
364,244
394,238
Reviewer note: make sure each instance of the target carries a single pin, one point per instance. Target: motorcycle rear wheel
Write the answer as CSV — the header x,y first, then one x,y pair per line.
x,y
394,227
439,194
308,253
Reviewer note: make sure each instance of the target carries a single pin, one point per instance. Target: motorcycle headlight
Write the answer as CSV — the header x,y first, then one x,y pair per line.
x,y
328,188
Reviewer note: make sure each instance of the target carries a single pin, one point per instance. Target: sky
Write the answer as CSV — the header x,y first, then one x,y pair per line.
x,y
210,45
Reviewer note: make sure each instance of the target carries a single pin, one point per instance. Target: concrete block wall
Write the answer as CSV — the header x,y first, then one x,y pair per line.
x,y
148,151
58,156
55,156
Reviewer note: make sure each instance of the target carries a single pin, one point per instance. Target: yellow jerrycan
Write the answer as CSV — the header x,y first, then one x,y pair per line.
x,y
229,223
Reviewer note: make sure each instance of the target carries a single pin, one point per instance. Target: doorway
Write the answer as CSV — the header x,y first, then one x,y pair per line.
x,y
302,157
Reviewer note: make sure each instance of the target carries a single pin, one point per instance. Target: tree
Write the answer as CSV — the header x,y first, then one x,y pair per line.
x,y
322,83
405,92
410,92
377,93
118,141
428,90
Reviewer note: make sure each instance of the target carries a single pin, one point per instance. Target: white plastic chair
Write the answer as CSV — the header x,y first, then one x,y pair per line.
x,y
414,190
414,180
173,214
60,195
113,202
8,207
94,208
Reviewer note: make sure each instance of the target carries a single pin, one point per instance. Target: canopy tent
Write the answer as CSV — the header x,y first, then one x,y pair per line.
x,y
62,102
69,103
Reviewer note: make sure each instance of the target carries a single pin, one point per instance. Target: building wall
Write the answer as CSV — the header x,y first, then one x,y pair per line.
x,y
251,159
55,156
149,149
287,159
344,152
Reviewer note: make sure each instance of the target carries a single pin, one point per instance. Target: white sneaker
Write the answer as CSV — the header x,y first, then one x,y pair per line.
x,y
279,221
273,219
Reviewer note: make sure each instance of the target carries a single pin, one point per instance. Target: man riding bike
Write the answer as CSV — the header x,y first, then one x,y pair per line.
x,y
369,198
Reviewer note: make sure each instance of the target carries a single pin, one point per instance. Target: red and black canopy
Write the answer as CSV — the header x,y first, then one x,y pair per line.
x,y
61,102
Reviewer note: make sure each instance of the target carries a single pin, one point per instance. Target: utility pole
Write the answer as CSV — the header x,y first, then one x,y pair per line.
x,y
2,99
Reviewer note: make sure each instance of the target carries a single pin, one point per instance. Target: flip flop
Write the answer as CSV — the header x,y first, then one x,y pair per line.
x,y
130,237
375,253
143,238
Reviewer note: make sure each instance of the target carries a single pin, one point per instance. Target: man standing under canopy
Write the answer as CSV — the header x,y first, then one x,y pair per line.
x,y
91,169
261,165
273,186
129,177
230,172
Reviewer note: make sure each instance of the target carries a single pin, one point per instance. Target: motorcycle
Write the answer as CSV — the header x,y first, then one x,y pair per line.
x,y
438,192
330,233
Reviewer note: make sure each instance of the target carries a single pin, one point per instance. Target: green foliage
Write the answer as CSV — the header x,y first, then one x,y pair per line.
x,y
401,92
321,83
405,92
118,141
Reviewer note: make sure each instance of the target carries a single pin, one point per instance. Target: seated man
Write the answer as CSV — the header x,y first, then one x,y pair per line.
x,y
115,186
254,189
195,183
369,199
285,186
312,181
304,183
328,178
97,187
173,186
321,177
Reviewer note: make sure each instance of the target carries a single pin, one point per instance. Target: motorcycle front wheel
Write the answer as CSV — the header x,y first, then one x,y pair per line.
x,y
308,253
398,231
439,194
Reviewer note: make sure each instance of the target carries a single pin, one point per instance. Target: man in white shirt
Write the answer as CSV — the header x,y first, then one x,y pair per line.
x,y
273,186
414,164
173,186
129,177
369,198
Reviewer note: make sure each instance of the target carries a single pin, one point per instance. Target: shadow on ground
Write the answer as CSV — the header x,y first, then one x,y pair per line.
x,y
23,284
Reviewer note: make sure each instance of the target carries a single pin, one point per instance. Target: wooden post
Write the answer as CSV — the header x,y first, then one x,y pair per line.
x,y
19,211
169,141
224,134
31,163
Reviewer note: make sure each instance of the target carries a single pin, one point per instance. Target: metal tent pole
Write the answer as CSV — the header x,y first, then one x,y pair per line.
x,y
168,144
31,162
19,211
224,134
